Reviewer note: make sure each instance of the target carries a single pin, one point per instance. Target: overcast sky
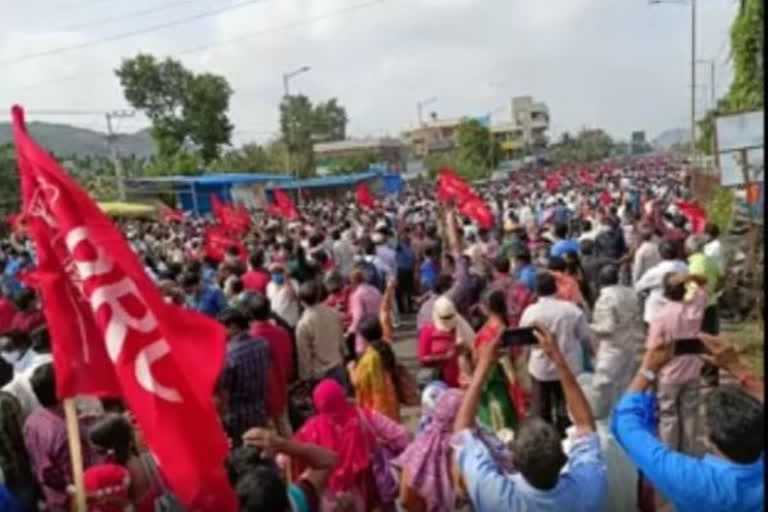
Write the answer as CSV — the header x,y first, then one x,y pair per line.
x,y
620,65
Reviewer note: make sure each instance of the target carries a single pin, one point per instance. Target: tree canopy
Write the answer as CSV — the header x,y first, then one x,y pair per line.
x,y
586,146
302,124
187,110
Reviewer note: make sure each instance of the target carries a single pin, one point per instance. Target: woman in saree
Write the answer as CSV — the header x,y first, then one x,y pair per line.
x,y
374,374
428,481
355,434
496,410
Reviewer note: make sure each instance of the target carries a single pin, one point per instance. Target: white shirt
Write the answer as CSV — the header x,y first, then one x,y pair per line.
x,y
343,256
653,280
714,250
20,386
284,301
569,326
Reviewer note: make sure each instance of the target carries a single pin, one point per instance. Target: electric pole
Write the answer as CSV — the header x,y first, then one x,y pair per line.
x,y
112,143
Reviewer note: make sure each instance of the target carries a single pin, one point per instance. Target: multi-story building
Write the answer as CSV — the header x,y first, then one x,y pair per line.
x,y
434,135
386,150
533,119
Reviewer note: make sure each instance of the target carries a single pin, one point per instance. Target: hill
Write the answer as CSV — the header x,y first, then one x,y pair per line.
x,y
66,140
669,138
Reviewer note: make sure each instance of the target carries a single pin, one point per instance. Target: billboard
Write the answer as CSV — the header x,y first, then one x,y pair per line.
x,y
739,144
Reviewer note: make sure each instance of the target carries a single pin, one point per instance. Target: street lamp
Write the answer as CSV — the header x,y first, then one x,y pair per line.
x,y
420,107
291,74
693,65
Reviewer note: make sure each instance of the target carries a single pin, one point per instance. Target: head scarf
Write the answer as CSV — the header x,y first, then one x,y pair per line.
x,y
337,426
429,397
426,459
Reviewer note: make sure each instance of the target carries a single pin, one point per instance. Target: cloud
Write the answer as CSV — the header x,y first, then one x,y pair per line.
x,y
620,65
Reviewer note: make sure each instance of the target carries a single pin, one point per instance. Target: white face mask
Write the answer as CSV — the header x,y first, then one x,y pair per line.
x,y
11,357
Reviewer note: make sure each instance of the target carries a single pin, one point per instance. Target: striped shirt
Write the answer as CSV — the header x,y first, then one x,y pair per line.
x,y
244,378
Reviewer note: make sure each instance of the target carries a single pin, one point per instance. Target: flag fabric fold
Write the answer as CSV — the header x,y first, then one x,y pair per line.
x,y
695,214
282,206
113,334
364,197
216,241
451,187
235,219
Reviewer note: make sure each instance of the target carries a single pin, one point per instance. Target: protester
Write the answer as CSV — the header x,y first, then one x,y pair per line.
x,y
364,299
243,385
539,481
651,282
257,278
714,247
438,340
282,294
281,359
319,339
646,255
14,462
730,477
678,383
406,263
571,330
353,434
45,438
441,286
374,375
203,297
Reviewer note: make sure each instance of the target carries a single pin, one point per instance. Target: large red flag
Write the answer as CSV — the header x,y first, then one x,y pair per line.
x,y
477,210
217,240
113,334
283,206
451,187
233,219
364,197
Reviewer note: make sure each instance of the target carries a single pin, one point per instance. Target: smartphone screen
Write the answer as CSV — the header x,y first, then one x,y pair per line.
x,y
517,337
689,346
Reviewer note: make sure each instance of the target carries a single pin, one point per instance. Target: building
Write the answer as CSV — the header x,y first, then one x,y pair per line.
x,y
435,135
509,137
533,119
384,150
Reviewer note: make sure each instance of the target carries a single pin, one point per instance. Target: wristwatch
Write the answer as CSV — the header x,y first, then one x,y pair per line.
x,y
647,374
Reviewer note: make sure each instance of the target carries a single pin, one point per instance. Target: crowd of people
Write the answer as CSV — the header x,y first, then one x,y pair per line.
x,y
600,413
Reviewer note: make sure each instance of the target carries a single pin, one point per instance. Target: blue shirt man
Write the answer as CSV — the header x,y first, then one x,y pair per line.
x,y
427,274
710,484
405,257
209,300
492,490
561,247
527,276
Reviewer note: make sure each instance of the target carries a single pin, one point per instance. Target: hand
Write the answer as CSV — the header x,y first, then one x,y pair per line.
x,y
655,358
351,367
268,441
391,282
547,342
723,353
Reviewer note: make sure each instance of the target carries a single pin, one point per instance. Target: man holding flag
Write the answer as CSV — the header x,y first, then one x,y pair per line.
x,y
114,335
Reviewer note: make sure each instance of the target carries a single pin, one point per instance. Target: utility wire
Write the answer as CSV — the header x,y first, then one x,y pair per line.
x,y
122,17
236,39
126,35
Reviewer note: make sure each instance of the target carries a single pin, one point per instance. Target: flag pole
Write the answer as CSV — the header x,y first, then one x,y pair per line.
x,y
75,452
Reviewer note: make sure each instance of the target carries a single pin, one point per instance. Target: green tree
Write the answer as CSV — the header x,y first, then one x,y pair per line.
x,y
302,125
183,163
9,180
186,109
469,169
746,89
586,146
475,144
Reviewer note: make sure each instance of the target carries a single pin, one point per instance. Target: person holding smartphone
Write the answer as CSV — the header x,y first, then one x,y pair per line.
x,y
678,386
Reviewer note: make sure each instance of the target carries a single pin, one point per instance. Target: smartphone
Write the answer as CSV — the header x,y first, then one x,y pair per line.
x,y
517,337
689,346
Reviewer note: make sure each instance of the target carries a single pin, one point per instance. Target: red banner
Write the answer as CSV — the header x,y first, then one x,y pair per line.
x,y
112,334
216,241
364,197
234,219
282,205
695,214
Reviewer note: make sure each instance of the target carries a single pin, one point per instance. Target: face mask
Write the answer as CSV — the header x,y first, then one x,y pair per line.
x,y
278,278
11,357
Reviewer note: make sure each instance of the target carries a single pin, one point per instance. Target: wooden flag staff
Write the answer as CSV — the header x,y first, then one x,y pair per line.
x,y
75,453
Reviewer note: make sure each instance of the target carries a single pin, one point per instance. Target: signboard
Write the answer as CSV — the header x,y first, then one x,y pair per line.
x,y
739,142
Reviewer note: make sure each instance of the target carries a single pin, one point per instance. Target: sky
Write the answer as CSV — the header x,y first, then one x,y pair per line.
x,y
620,65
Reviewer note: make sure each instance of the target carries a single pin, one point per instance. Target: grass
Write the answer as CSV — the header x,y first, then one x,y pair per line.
x,y
749,337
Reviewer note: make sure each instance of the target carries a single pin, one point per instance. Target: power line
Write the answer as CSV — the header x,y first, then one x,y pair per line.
x,y
126,35
121,17
236,39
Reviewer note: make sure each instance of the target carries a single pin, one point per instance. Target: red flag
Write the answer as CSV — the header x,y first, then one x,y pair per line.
x,y
233,219
363,196
695,214
477,210
171,215
605,198
451,187
216,241
113,334
553,183
283,206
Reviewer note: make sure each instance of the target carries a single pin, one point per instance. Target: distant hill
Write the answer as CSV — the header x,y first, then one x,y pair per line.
x,y
66,140
669,138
